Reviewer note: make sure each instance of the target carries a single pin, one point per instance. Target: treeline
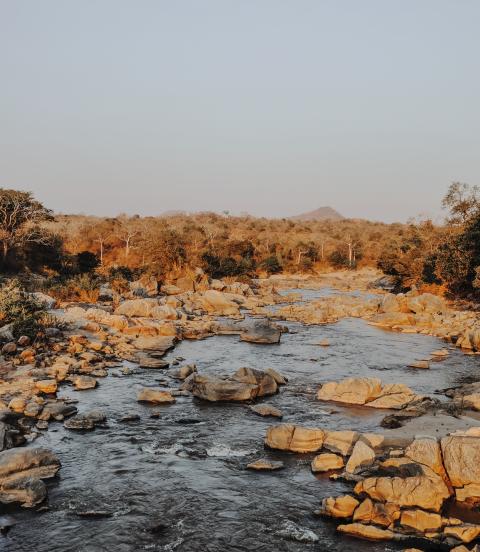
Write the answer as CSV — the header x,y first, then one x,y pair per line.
x,y
418,253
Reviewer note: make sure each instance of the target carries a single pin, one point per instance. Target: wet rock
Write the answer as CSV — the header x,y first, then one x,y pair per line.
x,y
421,364
428,492
130,417
145,361
292,531
341,442
265,465
261,332
79,423
281,380
369,532
266,410
327,462
97,416
376,513
155,396
21,472
84,382
341,507
183,372
215,389
369,392
294,438
266,384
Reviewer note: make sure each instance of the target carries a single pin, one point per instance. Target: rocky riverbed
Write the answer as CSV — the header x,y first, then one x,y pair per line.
x,y
147,405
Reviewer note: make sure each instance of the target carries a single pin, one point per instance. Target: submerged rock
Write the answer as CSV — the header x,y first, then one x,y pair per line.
x,y
264,464
292,531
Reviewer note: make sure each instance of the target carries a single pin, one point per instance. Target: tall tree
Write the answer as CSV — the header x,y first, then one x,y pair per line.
x,y
20,216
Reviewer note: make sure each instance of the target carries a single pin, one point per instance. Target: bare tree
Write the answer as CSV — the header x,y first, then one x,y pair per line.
x,y
127,229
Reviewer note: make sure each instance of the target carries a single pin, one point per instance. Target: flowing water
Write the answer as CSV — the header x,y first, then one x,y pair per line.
x,y
178,481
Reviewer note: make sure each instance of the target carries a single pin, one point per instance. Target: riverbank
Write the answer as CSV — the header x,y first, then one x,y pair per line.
x,y
189,437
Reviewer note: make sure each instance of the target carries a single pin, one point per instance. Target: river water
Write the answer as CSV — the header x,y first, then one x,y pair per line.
x,y
166,483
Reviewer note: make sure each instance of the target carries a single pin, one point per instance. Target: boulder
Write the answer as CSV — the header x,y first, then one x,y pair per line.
x,y
341,442
464,533
84,382
47,386
294,438
420,521
215,389
369,392
327,462
184,371
80,423
351,390
265,382
362,456
155,396
341,507
428,492
261,332
159,344
21,472
217,302
461,458
376,513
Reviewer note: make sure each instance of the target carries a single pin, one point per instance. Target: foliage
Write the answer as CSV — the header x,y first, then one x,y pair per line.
x,y
20,309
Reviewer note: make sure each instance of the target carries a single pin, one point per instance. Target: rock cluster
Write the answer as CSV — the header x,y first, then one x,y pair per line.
x,y
400,492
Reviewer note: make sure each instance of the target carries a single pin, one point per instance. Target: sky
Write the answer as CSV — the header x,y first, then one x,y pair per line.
x,y
271,107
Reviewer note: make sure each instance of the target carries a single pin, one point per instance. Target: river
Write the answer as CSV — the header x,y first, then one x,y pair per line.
x,y
177,481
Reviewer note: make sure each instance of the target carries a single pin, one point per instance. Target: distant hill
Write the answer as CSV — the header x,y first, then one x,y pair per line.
x,y
322,213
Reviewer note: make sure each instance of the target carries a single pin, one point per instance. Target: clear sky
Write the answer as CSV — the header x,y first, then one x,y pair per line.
x,y
273,107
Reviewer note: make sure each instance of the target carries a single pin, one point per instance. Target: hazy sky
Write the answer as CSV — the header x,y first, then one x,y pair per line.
x,y
274,107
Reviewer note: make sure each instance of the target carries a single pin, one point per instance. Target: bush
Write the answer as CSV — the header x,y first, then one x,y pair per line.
x,y
20,309
272,265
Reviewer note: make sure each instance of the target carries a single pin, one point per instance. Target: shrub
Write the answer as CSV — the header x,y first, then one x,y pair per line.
x,y
20,309
272,265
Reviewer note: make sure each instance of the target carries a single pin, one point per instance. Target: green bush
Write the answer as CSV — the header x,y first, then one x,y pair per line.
x,y
20,309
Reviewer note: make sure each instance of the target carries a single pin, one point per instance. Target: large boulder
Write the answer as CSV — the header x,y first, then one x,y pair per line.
x,y
340,507
461,458
21,472
266,383
294,438
351,390
215,389
261,332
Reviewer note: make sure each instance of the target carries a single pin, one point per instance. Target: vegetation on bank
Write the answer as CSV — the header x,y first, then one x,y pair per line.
x,y
78,253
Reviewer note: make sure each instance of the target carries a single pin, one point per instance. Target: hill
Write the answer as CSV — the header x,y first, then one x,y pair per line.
x,y
322,213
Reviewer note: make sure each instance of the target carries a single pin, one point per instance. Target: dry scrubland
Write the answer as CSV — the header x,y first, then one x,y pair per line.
x,y
82,295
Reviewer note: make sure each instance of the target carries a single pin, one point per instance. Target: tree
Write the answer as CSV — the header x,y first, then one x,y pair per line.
x,y
463,201
20,216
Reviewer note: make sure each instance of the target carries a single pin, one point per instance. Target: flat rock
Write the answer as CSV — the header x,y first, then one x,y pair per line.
x,y
265,465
